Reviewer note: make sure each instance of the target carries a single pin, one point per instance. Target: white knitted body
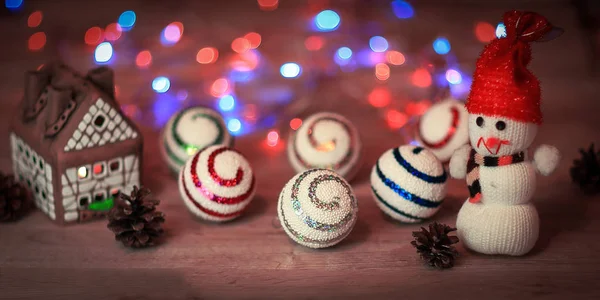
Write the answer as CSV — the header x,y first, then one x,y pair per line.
x,y
189,131
210,199
402,175
504,221
325,140
317,208
437,131
498,229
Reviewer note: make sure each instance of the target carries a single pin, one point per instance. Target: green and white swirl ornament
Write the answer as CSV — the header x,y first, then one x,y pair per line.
x,y
317,208
189,131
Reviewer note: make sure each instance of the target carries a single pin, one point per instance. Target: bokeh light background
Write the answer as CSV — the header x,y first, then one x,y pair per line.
x,y
262,76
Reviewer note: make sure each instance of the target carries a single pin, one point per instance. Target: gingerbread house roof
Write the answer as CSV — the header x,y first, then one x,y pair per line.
x,y
63,112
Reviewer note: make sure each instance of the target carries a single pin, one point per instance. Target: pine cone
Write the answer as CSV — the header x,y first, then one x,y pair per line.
x,y
134,220
586,170
15,199
435,246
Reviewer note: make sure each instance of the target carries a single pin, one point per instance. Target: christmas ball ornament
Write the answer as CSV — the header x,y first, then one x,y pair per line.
x,y
408,183
189,131
328,141
217,184
317,208
444,128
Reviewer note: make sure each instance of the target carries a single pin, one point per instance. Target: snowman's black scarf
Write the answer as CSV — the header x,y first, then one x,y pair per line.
x,y
476,160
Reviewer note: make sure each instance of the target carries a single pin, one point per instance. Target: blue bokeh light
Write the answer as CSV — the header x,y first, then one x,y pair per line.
x,y
402,9
161,84
127,20
226,103
13,4
441,46
378,44
290,70
103,52
500,30
327,20
344,53
234,125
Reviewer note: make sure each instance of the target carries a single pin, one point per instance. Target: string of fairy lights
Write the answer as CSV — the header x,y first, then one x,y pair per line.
x,y
248,63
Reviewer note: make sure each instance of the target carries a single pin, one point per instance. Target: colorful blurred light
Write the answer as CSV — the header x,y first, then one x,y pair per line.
x,y
382,71
207,55
421,78
295,123
378,44
500,30
485,32
314,43
172,33
143,59
36,41
227,103
112,32
103,53
127,20
327,20
13,4
161,84
290,70
453,76
182,95
272,138
35,19
417,108
219,88
395,58
268,5
380,97
344,53
94,36
254,39
240,45
402,9
395,119
441,46
234,125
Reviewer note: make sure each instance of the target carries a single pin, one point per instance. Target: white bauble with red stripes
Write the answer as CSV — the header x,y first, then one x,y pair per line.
x,y
444,128
189,131
317,208
217,184
325,140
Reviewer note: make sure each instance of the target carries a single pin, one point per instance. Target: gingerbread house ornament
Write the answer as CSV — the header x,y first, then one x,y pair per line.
x,y
72,145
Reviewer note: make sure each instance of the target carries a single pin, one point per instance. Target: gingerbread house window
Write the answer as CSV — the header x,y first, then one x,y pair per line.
x,y
83,200
84,173
115,165
99,169
114,192
99,196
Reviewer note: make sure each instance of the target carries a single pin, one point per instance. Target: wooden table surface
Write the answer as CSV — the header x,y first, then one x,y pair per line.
x,y
252,257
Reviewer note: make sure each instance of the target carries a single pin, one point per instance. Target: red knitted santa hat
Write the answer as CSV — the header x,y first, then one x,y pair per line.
x,y
502,84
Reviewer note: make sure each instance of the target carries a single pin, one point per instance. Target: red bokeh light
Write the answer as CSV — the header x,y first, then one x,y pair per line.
x,y
395,58
207,55
380,97
421,78
314,43
268,4
113,32
254,39
143,59
382,71
395,119
35,19
36,41
295,123
485,32
94,36
220,87
240,45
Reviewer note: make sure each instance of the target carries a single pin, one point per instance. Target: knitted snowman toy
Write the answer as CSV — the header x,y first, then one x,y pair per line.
x,y
504,115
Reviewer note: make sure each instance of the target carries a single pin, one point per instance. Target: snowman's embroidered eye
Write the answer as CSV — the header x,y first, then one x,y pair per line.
x,y
479,121
500,125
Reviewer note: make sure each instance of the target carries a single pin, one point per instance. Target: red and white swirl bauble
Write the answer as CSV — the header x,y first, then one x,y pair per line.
x,y
328,141
444,128
217,184
317,208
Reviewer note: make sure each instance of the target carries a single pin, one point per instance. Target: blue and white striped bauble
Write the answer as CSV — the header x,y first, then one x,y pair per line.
x,y
409,183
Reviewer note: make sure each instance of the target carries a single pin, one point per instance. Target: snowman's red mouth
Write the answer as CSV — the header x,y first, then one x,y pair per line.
x,y
492,144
